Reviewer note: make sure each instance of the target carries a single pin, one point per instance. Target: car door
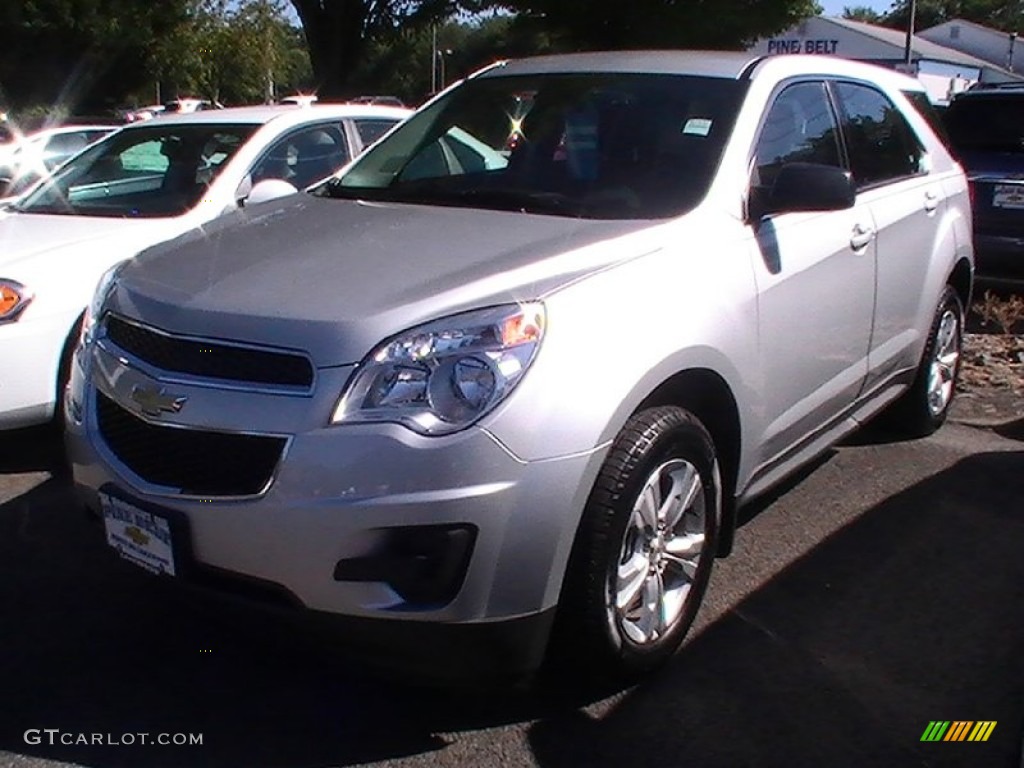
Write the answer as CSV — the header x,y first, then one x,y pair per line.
x,y
816,279
891,171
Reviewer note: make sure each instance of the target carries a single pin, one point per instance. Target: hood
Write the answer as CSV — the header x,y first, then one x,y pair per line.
x,y
335,277
24,237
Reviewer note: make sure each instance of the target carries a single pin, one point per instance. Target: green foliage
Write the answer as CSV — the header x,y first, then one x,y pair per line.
x,y
76,53
998,14
608,24
341,33
863,13
400,63
240,53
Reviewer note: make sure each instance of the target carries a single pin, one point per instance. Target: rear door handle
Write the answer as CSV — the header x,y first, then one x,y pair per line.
x,y
861,236
931,201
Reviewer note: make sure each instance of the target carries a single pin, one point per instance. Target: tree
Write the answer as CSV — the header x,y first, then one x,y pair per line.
x,y
400,64
95,50
613,24
864,13
339,31
240,52
1006,15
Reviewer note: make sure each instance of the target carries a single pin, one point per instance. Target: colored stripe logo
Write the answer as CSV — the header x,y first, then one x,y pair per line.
x,y
958,730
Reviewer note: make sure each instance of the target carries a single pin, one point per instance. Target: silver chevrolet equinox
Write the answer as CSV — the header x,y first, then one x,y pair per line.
x,y
495,392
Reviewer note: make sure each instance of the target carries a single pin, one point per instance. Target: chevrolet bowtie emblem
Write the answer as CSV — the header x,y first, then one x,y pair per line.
x,y
153,402
136,535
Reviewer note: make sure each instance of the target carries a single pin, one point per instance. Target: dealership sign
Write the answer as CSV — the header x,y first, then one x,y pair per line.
x,y
796,45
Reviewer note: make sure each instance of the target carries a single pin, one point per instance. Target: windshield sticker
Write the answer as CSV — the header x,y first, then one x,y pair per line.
x,y
697,126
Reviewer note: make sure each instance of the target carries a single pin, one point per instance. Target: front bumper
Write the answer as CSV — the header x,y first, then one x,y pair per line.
x,y
348,502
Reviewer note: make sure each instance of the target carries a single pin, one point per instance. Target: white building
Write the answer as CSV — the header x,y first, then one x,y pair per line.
x,y
944,71
1002,49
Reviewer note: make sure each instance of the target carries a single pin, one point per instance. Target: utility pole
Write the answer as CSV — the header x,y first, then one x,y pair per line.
x,y
433,60
908,51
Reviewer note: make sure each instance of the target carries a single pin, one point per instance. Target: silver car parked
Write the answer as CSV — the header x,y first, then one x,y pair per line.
x,y
498,390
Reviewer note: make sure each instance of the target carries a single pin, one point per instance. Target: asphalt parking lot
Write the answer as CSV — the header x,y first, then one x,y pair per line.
x,y
880,591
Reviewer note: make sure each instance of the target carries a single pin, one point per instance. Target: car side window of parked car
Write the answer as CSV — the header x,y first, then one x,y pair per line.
x,y
881,145
63,145
150,171
371,130
304,156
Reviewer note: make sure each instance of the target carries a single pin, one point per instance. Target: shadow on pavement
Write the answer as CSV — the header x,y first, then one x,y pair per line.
x,y
911,613
34,449
1013,430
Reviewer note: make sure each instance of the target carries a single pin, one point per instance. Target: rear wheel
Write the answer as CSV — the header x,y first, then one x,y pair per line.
x,y
925,406
644,549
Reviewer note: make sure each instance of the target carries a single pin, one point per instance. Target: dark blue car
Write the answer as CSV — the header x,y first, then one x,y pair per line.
x,y
986,128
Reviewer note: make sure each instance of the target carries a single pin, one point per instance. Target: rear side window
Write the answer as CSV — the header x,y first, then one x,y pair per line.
x,y
371,130
927,110
881,144
987,123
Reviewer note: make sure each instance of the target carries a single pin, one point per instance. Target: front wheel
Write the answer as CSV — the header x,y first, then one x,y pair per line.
x,y
925,406
644,549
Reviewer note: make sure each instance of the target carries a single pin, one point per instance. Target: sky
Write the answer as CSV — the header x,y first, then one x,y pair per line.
x,y
835,7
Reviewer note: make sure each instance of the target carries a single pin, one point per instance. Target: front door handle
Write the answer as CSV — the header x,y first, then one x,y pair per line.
x,y
931,201
861,236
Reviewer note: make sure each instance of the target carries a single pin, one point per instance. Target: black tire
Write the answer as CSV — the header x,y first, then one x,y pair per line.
x,y
64,375
923,408
594,635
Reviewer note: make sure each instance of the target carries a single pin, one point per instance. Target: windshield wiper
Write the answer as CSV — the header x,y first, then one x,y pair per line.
x,y
424,192
510,199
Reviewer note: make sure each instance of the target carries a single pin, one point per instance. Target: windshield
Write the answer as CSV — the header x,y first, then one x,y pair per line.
x,y
987,123
615,146
156,171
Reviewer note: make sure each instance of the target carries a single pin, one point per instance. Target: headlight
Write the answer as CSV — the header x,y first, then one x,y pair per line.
x,y
92,312
443,376
14,297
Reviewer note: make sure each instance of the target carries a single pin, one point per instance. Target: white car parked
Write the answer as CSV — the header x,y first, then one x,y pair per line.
x,y
29,158
147,183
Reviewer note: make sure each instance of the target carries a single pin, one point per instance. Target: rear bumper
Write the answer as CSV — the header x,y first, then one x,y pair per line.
x,y
999,257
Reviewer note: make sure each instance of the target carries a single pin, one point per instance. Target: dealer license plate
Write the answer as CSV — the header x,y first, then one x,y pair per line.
x,y
1008,196
138,536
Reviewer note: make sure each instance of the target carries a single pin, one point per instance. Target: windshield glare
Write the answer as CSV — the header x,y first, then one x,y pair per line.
x,y
593,145
156,171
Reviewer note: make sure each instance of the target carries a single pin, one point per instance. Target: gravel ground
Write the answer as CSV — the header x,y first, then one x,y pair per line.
x,y
991,380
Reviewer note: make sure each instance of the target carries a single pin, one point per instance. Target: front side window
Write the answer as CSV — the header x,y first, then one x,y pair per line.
x,y
881,144
592,145
304,156
800,127
154,171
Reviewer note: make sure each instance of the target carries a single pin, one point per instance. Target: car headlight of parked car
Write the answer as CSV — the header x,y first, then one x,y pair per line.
x,y
441,377
14,297
92,312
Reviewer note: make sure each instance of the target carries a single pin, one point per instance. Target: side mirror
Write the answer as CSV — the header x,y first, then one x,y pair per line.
x,y
802,187
262,191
